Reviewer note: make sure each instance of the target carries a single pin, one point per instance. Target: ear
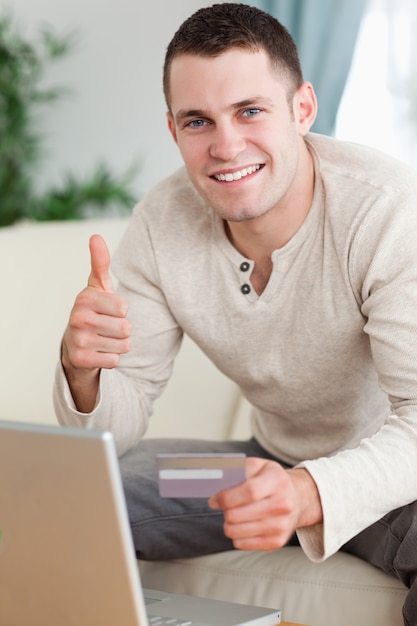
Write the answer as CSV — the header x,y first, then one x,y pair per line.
x,y
305,107
171,126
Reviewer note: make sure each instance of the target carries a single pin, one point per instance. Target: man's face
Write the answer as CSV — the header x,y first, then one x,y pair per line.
x,y
239,137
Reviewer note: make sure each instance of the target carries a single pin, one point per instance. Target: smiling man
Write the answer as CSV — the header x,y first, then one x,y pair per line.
x,y
289,258
243,145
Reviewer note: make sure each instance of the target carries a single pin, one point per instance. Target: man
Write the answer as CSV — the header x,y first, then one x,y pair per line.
x,y
289,258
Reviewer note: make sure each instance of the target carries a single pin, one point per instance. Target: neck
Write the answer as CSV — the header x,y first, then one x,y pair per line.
x,y
258,238
272,230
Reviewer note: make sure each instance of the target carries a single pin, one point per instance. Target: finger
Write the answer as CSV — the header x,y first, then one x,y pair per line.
x,y
258,485
103,303
255,465
96,351
269,530
278,527
100,264
263,542
99,312
94,360
278,505
119,329
108,345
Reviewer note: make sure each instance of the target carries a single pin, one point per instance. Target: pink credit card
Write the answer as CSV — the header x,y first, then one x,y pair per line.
x,y
198,475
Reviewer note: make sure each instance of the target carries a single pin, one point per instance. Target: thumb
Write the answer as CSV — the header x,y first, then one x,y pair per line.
x,y
100,264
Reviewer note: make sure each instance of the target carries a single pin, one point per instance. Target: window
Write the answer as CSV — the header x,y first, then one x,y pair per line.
x,y
379,105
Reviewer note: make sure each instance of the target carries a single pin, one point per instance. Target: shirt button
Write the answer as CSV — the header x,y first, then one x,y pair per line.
x,y
245,289
244,266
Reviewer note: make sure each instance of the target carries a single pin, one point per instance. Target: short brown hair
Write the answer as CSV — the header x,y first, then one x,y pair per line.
x,y
210,31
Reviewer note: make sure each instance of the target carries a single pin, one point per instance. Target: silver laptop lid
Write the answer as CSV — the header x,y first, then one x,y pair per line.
x,y
58,565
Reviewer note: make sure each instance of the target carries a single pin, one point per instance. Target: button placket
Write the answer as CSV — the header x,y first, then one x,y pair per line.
x,y
245,288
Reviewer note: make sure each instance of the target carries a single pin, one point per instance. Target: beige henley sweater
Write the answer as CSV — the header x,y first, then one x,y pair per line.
x,y
327,354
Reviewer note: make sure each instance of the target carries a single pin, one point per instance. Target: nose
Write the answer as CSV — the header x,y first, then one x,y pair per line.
x,y
227,142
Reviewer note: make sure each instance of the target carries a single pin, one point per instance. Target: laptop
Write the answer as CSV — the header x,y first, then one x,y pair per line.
x,y
66,551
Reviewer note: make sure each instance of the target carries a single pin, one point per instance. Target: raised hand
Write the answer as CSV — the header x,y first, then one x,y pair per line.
x,y
98,331
263,512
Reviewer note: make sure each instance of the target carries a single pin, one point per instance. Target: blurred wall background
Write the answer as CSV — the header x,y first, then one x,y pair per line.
x,y
115,110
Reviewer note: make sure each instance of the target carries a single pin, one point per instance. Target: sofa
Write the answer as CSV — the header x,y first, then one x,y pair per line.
x,y
43,266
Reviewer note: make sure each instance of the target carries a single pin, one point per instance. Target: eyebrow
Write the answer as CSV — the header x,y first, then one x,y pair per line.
x,y
184,114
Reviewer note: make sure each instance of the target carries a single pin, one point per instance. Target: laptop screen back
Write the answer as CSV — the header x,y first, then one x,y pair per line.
x,y
66,555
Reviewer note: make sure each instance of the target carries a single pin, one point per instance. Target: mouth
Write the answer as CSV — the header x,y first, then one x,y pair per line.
x,y
229,177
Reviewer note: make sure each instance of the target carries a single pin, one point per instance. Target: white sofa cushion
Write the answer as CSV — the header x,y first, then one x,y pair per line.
x,y
341,591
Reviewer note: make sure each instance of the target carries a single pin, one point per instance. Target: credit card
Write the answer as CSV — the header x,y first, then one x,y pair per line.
x,y
198,475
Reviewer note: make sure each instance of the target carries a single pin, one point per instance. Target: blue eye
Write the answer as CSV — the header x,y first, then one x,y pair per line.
x,y
196,123
251,112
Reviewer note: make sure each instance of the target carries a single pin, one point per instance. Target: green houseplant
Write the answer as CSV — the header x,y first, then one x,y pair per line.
x,y
22,68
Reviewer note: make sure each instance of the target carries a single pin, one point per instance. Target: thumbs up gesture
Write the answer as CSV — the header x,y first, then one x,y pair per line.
x,y
98,331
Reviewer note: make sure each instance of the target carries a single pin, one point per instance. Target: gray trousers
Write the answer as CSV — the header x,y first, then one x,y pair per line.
x,y
165,528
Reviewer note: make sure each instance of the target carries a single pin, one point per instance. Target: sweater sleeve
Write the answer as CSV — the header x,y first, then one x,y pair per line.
x,y
111,403
126,394
359,486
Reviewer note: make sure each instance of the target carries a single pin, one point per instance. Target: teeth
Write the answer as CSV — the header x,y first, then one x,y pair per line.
x,y
229,177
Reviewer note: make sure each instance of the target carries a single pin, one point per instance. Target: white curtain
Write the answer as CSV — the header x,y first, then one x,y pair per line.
x,y
325,32
379,105
402,74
